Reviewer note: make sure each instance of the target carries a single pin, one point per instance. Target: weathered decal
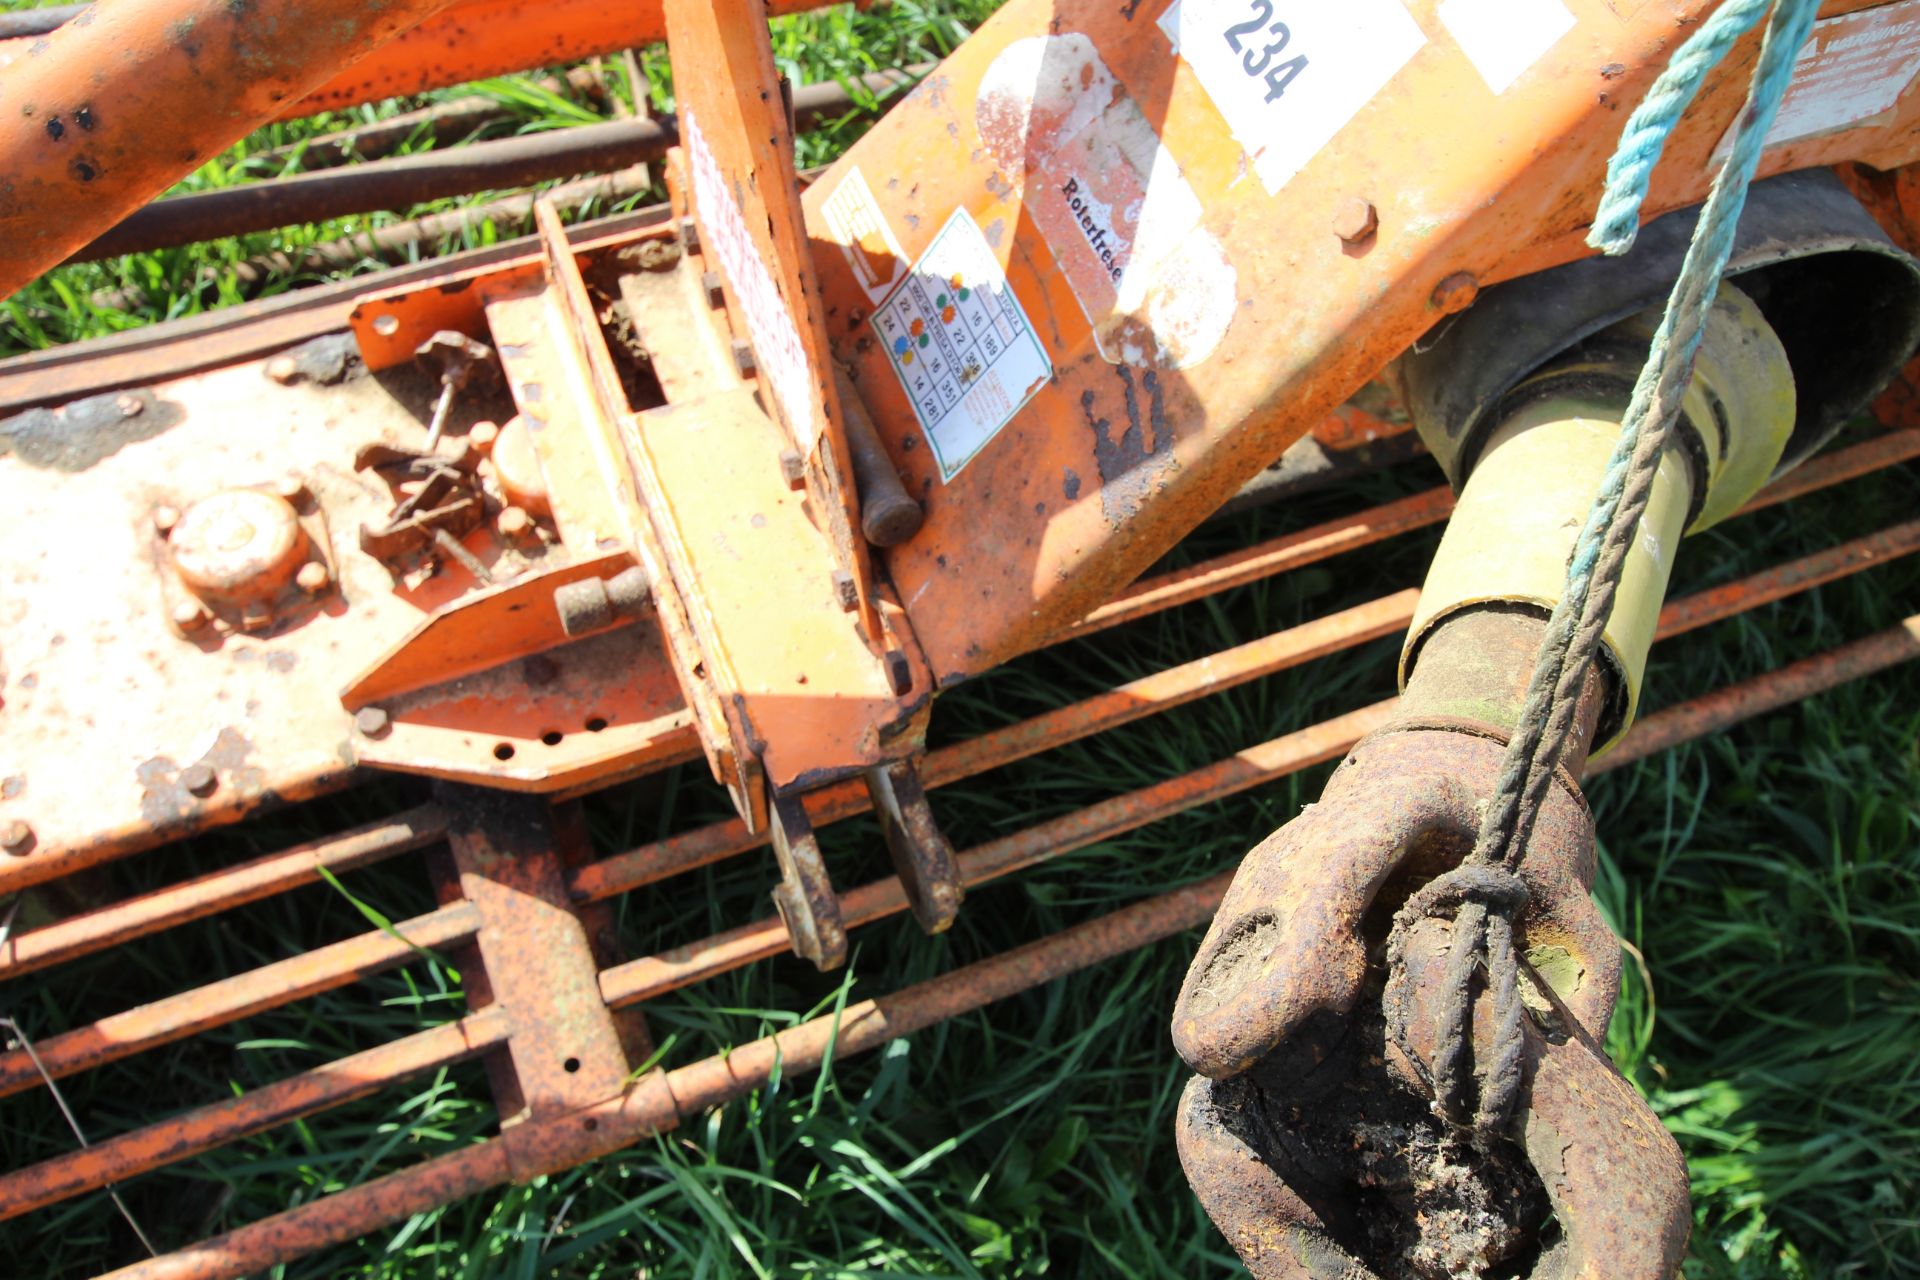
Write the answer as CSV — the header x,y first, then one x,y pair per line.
x,y
1117,213
961,345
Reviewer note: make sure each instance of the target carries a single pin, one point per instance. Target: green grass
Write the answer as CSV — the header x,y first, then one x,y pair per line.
x,y
1770,877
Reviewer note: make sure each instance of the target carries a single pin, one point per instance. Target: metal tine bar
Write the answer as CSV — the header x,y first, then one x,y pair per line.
x,y
720,1078
703,846
645,978
356,1212
153,1146
1709,714
176,1017
219,891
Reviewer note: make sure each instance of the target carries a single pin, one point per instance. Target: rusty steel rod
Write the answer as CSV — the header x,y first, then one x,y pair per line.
x,y
80,149
1698,717
309,1093
429,175
37,22
218,891
710,1082
446,122
175,1017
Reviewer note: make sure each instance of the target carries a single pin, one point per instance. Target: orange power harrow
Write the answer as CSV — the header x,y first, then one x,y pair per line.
x,y
746,479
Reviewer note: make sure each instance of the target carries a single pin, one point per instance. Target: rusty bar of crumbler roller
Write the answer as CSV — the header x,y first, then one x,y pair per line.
x,y
1267,559
219,891
1122,705
176,1017
126,1155
1795,682
350,1214
342,1216
1804,574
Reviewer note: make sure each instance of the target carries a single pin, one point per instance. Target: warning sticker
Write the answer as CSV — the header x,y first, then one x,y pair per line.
x,y
962,346
1288,82
854,218
776,342
1851,69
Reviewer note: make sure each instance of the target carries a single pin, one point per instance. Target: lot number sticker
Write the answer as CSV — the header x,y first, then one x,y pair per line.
x,y
1289,74
961,345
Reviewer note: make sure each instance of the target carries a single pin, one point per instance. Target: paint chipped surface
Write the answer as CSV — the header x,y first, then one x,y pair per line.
x,y
1115,209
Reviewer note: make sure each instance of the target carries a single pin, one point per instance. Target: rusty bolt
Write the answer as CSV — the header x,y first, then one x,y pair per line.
x,y
793,469
313,577
591,603
372,722
283,369
482,434
514,522
743,358
199,779
131,406
292,488
689,235
1456,293
16,837
1355,220
844,590
899,673
716,292
164,518
189,616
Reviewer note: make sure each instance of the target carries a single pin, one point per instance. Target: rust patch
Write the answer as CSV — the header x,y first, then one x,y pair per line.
x,y
1132,463
75,436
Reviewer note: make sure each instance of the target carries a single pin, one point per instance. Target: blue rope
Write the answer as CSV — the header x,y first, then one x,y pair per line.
x,y
1654,120
1482,892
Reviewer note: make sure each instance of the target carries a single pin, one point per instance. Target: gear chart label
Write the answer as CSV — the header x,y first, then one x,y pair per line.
x,y
961,345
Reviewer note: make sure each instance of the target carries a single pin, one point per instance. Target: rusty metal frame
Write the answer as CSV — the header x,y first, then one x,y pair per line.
x,y
522,862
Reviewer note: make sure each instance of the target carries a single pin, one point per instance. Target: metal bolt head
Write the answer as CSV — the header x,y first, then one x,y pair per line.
x,y
1355,220
291,487
689,235
514,522
372,722
1455,293
189,616
313,577
199,779
16,837
845,591
716,292
482,434
283,369
164,518
131,406
743,358
793,469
